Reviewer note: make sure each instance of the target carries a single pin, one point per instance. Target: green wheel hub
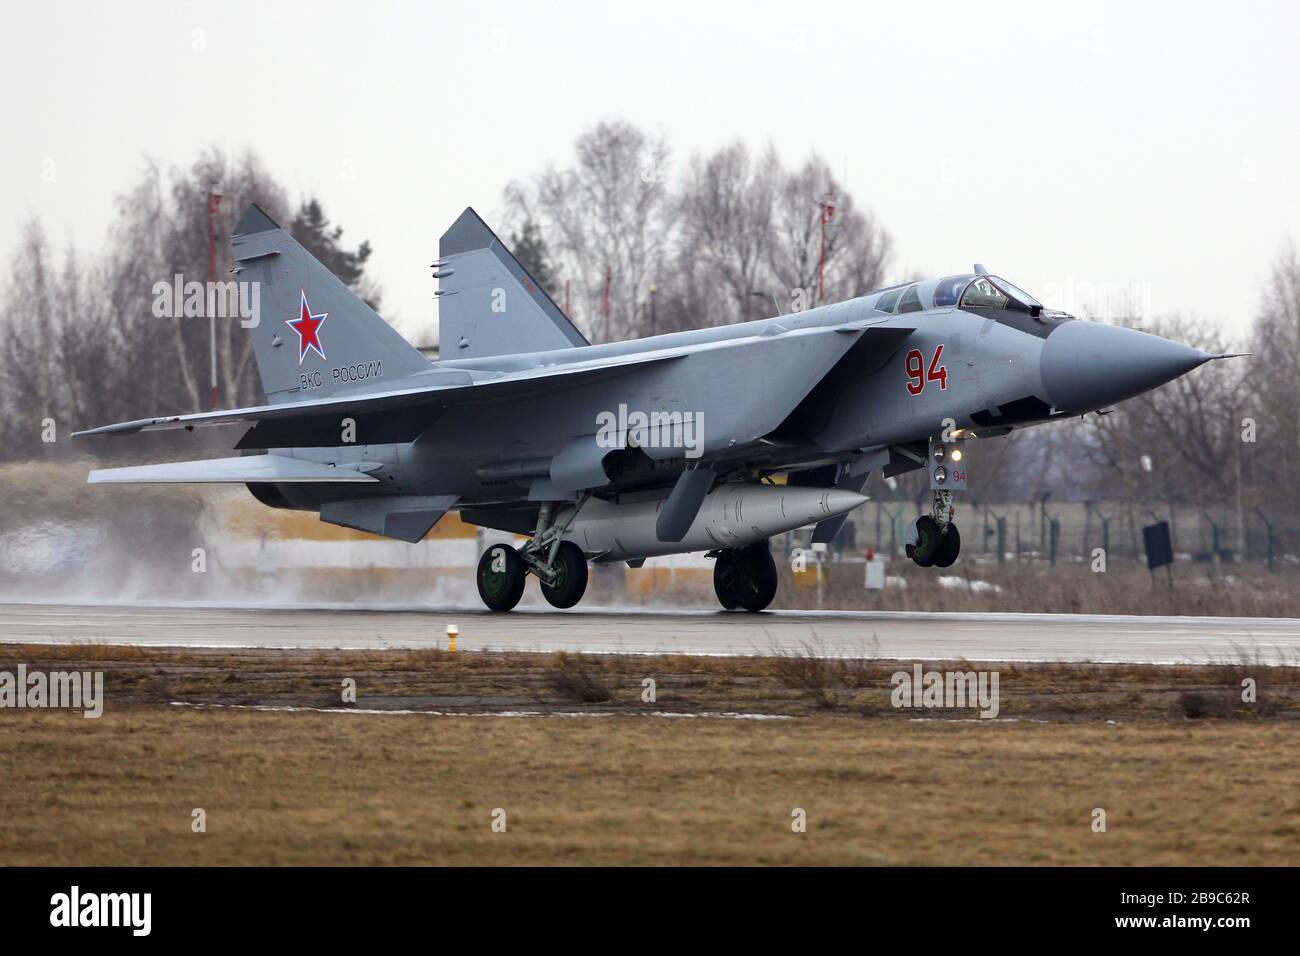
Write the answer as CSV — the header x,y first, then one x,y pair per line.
x,y
494,582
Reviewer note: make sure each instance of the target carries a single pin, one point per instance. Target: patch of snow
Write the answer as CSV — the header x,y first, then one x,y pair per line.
x,y
965,584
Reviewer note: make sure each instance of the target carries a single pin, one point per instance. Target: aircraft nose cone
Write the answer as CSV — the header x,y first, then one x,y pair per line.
x,y
1086,365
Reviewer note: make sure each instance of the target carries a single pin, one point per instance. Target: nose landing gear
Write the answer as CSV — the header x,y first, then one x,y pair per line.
x,y
933,539
934,546
951,548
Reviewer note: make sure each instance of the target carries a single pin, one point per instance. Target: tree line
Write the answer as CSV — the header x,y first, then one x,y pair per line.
x,y
633,246
78,333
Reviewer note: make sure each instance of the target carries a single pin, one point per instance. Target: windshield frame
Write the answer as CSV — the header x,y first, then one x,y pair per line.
x,y
1015,293
970,286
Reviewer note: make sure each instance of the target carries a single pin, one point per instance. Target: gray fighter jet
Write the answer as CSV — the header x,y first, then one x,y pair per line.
x,y
709,440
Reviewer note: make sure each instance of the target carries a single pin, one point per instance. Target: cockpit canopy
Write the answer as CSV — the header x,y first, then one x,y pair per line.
x,y
970,291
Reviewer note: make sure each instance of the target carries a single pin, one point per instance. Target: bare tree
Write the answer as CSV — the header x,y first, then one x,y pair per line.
x,y
730,241
1179,445
607,221
725,211
56,337
81,339
1273,399
28,342
185,249
856,250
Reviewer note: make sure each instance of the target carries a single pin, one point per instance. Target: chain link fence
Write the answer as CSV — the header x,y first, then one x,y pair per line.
x,y
1072,531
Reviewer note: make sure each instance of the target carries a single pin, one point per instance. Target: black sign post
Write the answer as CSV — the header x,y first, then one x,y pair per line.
x,y
1159,547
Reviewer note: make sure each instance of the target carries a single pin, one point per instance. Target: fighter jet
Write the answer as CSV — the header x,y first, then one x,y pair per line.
x,y
710,440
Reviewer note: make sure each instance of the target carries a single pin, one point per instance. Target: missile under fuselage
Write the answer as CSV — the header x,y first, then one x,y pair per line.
x,y
732,516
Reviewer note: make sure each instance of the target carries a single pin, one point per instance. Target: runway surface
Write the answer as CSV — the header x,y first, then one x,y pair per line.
x,y
910,636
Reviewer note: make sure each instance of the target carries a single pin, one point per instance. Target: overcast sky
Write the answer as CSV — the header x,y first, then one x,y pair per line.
x,y
1084,152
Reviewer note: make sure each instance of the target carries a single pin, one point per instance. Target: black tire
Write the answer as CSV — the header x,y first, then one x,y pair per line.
x,y
929,543
755,578
500,577
951,547
724,579
570,577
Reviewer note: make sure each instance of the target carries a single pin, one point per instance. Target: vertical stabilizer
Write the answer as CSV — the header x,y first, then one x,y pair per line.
x,y
488,304
314,336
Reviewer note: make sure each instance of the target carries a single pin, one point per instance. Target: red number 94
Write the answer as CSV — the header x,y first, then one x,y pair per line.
x,y
918,374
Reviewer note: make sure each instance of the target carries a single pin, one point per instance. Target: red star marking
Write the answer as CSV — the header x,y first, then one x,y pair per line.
x,y
308,328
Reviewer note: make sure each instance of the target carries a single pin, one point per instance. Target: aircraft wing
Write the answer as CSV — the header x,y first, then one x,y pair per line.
x,y
241,469
732,377
394,415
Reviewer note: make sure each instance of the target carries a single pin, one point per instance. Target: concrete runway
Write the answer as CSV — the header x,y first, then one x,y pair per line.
x,y
895,635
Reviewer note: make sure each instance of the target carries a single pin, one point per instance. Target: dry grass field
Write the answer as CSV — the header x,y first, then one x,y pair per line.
x,y
1185,775
411,789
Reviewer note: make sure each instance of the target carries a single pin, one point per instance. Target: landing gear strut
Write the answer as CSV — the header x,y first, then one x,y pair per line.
x,y
745,577
933,540
559,565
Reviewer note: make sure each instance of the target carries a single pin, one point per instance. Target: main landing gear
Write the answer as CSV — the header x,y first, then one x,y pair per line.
x,y
559,565
745,577
501,575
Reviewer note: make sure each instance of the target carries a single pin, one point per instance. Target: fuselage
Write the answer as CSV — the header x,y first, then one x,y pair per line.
x,y
974,354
